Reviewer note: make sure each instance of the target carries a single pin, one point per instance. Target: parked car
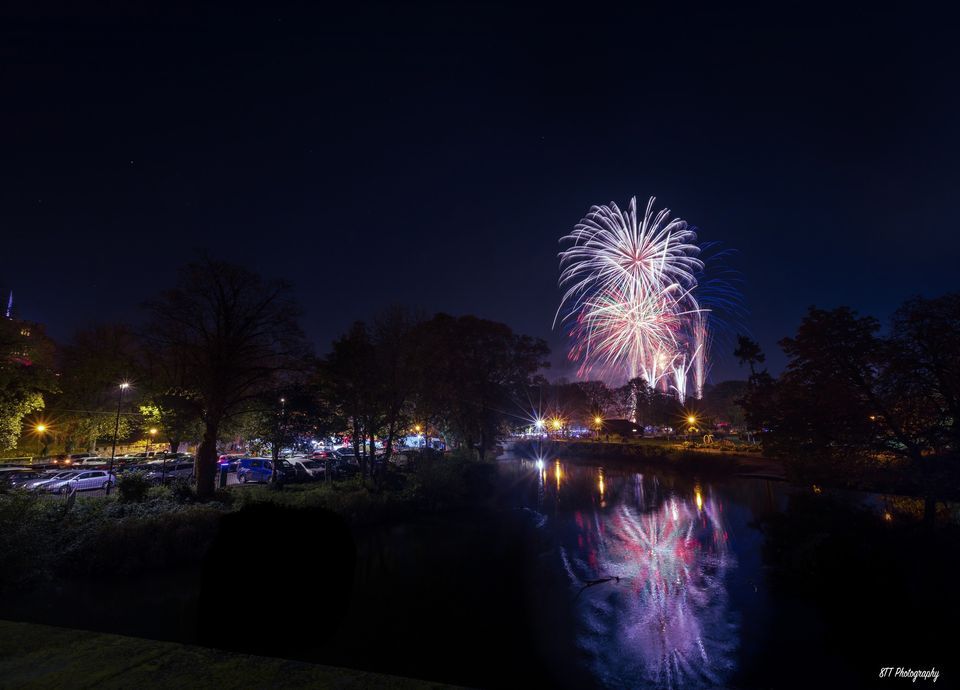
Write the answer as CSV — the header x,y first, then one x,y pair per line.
x,y
303,468
229,461
18,476
82,481
169,470
148,455
129,468
79,458
118,462
39,483
343,464
254,470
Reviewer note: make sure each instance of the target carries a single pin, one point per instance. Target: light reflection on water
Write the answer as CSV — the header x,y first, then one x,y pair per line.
x,y
647,567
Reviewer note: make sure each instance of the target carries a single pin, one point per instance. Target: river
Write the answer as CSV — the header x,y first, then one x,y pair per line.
x,y
580,576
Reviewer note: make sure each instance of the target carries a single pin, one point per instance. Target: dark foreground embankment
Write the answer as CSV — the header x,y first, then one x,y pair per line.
x,y
42,656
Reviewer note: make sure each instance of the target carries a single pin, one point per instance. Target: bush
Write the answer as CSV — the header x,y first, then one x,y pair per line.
x,y
27,524
133,487
136,538
182,491
160,493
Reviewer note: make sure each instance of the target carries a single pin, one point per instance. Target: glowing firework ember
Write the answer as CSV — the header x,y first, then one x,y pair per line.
x,y
631,297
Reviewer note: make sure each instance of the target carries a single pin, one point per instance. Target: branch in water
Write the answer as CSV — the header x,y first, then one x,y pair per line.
x,y
591,583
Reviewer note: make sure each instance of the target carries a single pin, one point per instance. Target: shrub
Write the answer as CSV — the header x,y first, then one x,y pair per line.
x,y
182,491
160,493
132,487
137,538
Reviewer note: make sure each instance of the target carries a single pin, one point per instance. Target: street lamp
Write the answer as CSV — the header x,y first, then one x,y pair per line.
x,y
40,429
116,430
278,438
150,440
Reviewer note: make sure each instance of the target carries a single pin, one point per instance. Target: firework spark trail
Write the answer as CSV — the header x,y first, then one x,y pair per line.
x,y
630,293
701,341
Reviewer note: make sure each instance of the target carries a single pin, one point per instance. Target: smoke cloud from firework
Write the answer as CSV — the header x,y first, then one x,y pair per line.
x,y
632,298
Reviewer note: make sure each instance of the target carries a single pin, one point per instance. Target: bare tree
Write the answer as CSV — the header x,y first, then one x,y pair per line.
x,y
235,336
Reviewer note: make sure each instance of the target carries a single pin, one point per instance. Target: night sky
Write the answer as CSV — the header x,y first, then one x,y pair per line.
x,y
433,155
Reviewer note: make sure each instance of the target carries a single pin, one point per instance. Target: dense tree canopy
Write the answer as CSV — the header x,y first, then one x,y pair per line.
x,y
26,376
472,373
93,364
854,398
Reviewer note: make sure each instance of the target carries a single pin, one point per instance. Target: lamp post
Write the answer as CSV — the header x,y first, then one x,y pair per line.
x,y
116,430
40,429
278,442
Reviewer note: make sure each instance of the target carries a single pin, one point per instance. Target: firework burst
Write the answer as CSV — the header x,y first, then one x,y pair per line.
x,y
631,297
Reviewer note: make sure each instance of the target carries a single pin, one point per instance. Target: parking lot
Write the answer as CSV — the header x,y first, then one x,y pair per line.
x,y
91,476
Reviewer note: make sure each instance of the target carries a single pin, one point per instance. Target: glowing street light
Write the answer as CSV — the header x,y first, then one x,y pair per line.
x,y
150,440
40,429
116,430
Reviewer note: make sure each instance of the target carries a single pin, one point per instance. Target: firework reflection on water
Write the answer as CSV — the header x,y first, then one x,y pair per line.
x,y
667,622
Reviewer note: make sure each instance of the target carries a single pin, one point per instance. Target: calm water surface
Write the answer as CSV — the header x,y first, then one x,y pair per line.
x,y
661,575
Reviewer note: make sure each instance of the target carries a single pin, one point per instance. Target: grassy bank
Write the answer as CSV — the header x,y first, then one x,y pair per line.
x,y
42,656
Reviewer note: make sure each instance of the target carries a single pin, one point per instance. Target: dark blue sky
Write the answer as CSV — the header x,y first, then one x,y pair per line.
x,y
433,156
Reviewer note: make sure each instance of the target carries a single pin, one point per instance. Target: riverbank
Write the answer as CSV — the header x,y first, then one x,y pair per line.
x,y
417,593
882,478
45,538
661,454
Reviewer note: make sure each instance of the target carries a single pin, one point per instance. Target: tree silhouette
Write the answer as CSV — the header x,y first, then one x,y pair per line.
x,y
236,337
748,352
